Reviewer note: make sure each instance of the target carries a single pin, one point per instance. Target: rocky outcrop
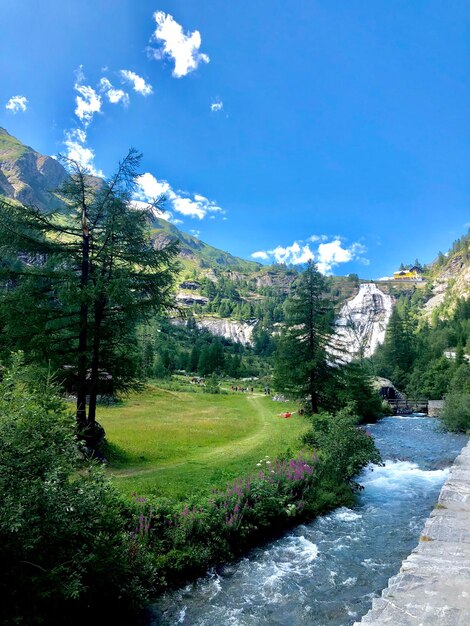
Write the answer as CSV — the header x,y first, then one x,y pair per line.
x,y
188,299
238,332
362,322
433,585
451,284
279,278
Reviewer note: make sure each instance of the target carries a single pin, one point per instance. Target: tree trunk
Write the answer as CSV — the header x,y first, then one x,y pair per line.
x,y
95,361
83,332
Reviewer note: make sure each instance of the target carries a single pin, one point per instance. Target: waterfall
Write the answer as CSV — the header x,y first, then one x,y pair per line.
x,y
362,322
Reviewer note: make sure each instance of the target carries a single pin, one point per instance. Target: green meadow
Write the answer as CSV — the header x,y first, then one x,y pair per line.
x,y
178,443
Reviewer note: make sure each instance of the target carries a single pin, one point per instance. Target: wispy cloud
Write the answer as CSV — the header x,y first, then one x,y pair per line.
x,y
184,203
182,47
114,95
77,150
326,254
216,106
138,83
16,104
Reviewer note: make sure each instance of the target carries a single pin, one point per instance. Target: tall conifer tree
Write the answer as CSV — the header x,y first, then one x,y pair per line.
x,y
302,368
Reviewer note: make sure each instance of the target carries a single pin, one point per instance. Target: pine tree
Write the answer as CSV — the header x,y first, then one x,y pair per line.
x,y
301,366
92,274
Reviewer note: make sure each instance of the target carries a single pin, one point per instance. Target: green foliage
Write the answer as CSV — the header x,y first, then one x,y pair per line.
x,y
413,355
82,280
355,388
456,413
344,449
65,549
301,366
212,385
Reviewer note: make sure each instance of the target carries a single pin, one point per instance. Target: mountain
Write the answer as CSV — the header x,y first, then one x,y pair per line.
x,y
26,175
202,254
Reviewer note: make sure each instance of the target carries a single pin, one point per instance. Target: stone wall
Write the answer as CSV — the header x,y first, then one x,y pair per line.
x,y
433,585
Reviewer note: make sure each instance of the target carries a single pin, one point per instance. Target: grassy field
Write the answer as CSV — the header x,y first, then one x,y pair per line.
x,y
176,443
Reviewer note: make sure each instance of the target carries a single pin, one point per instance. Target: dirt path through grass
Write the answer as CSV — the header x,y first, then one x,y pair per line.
x,y
180,443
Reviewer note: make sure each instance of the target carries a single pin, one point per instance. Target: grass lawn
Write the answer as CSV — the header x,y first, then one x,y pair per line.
x,y
176,443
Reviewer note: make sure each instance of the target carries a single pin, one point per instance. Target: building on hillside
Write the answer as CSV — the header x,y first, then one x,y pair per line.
x,y
414,273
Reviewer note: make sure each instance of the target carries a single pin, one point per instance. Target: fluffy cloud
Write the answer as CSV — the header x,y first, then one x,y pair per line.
x,y
77,150
88,102
327,254
138,83
216,106
16,104
182,48
114,95
294,254
196,205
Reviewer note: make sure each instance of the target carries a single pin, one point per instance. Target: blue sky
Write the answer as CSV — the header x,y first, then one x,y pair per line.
x,y
336,129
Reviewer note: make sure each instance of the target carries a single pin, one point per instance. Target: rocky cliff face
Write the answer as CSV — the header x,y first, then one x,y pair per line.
x,y
26,175
362,322
238,332
450,283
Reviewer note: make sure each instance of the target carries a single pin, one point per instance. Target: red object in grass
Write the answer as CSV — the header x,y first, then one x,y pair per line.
x,y
287,415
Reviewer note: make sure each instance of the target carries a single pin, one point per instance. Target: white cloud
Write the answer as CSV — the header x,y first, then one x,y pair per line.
x,y
114,95
195,232
88,102
294,254
16,104
138,83
150,188
182,48
77,150
332,254
194,205
260,254
326,255
216,106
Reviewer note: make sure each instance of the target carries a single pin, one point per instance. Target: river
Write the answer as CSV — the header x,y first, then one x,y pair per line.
x,y
326,573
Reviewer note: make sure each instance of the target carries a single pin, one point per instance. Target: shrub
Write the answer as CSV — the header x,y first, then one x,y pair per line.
x,y
456,413
343,448
64,545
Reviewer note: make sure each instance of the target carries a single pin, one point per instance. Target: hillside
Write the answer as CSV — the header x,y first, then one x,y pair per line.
x,y
449,277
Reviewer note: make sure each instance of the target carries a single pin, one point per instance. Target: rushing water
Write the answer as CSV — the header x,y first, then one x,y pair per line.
x,y
328,571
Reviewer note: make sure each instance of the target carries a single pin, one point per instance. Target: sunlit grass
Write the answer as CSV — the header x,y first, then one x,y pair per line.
x,y
176,443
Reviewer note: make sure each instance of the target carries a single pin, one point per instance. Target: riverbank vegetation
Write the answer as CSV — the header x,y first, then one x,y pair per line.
x,y
74,545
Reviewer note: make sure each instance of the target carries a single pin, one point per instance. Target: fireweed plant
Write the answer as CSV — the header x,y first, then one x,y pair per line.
x,y
187,538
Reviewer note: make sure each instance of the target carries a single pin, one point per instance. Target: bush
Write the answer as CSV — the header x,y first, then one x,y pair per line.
x,y
343,448
456,413
64,545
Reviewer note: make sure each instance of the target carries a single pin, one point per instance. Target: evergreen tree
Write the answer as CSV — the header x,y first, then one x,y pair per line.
x,y
301,367
91,272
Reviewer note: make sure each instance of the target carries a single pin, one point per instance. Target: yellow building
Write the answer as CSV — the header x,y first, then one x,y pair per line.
x,y
414,273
